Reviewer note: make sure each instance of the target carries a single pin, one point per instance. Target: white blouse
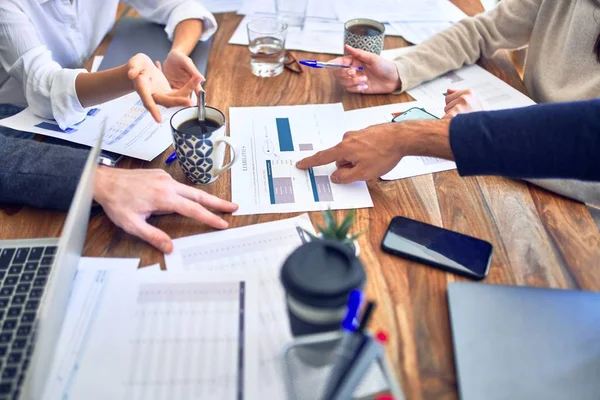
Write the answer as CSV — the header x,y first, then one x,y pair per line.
x,y
44,44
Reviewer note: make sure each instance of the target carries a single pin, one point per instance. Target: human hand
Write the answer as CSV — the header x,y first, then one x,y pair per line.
x,y
179,69
374,151
154,89
130,197
379,75
461,102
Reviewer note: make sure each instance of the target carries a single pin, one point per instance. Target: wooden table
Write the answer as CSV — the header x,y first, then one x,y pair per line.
x,y
539,239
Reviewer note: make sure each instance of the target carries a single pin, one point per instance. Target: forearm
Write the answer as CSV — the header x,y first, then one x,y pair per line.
x,y
100,87
424,138
39,174
187,34
560,140
509,25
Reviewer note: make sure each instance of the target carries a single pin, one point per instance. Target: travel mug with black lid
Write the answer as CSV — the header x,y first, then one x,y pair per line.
x,y
318,277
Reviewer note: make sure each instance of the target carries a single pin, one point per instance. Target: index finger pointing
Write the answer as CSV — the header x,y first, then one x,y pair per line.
x,y
323,157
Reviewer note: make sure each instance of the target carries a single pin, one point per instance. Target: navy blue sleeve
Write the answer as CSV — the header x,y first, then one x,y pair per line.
x,y
39,174
558,140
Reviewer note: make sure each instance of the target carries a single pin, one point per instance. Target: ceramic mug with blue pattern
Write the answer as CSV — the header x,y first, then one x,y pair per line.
x,y
201,156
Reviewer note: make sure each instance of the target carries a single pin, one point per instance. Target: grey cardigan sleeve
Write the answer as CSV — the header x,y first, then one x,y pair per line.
x,y
39,174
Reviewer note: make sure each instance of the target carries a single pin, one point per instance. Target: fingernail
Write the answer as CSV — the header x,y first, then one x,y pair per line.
x,y
224,224
363,87
299,164
334,179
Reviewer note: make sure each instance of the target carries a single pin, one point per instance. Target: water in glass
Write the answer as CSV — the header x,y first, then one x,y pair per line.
x,y
267,55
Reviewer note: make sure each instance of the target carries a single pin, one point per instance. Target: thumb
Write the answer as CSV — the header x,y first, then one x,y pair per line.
x,y
363,56
450,91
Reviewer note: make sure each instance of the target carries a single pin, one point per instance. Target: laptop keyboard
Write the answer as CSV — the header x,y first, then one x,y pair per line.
x,y
23,275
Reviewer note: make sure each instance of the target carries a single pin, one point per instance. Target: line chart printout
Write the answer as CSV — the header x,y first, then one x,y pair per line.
x,y
171,336
131,129
271,140
256,250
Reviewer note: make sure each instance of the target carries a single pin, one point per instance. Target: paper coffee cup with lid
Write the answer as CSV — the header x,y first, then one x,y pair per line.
x,y
318,278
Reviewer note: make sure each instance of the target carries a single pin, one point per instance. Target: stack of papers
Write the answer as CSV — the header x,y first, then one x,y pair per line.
x,y
323,31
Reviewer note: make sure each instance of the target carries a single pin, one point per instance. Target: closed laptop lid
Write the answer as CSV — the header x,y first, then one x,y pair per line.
x,y
525,343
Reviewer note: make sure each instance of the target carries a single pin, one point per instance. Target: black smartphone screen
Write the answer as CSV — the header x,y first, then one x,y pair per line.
x,y
438,247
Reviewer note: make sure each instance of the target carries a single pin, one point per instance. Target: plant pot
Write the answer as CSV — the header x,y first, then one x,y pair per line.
x,y
355,246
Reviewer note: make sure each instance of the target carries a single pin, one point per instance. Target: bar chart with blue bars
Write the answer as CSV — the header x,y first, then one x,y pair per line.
x,y
286,141
53,126
281,183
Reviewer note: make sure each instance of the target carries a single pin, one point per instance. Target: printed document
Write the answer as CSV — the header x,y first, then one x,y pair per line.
x,y
270,140
409,166
398,10
131,129
258,250
161,336
494,93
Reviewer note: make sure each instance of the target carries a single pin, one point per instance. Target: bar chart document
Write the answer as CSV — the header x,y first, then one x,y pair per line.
x,y
131,129
270,141
258,250
170,336
409,166
493,92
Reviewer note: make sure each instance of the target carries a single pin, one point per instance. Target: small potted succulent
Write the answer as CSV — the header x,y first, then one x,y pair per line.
x,y
338,232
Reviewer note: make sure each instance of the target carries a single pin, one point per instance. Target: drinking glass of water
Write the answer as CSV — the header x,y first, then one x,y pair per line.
x,y
266,38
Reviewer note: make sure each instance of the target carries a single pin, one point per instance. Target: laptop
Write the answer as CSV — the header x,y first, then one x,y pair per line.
x,y
136,35
525,343
36,277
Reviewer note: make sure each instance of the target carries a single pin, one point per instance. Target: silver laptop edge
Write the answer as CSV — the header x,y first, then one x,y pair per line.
x,y
54,302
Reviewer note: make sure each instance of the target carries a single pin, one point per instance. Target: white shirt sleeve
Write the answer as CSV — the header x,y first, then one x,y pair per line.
x,y
172,12
49,89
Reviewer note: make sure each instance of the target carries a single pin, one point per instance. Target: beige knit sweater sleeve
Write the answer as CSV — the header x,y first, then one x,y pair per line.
x,y
508,26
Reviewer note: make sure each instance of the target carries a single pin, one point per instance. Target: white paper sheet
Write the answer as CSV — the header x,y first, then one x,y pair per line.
x,y
392,54
132,130
167,336
408,166
88,289
317,36
270,140
222,6
417,32
494,93
96,63
150,268
398,10
259,250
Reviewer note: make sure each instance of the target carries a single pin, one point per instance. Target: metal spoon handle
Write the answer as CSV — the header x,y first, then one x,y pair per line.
x,y
202,106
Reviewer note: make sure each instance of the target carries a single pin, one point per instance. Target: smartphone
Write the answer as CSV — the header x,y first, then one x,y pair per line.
x,y
412,114
440,248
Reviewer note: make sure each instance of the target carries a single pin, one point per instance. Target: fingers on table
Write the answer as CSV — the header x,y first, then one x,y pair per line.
x,y
205,199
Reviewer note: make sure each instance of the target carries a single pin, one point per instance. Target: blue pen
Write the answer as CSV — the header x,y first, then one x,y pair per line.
x,y
349,344
171,158
319,64
355,300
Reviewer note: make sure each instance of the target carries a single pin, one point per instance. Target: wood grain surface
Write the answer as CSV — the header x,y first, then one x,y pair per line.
x,y
539,238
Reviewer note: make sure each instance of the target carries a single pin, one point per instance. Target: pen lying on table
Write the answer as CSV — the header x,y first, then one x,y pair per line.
x,y
319,64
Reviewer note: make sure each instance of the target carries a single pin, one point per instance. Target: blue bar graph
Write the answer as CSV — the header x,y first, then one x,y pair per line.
x,y
270,180
313,183
54,127
285,134
93,112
